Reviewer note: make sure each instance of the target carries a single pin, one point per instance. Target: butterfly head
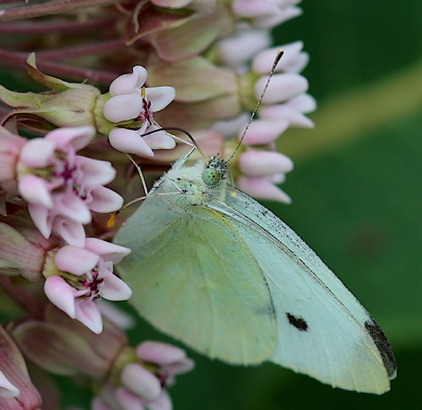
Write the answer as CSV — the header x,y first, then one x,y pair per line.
x,y
215,171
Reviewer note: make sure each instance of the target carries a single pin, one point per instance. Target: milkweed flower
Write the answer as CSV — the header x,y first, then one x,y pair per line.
x,y
132,101
76,278
144,381
62,188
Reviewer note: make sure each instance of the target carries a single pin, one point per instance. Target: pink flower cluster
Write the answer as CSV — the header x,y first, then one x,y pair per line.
x,y
58,188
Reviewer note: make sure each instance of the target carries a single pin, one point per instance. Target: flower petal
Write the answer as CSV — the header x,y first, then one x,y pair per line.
x,y
35,191
105,200
123,107
75,137
262,188
110,252
128,83
42,219
88,314
72,206
130,142
261,163
159,353
76,260
162,403
37,153
129,400
264,131
140,381
160,97
95,172
71,231
283,87
113,288
61,294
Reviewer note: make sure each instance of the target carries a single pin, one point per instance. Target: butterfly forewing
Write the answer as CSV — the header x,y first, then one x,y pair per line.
x,y
194,278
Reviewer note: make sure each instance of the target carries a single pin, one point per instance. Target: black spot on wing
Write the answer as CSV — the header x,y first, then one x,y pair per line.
x,y
381,342
298,322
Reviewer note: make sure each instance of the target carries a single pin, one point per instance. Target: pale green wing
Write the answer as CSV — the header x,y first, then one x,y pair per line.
x,y
323,330
194,278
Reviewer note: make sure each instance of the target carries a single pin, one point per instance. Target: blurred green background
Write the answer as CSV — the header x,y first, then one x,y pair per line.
x,y
356,201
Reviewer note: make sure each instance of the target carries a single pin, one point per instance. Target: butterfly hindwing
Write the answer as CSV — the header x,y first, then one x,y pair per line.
x,y
323,330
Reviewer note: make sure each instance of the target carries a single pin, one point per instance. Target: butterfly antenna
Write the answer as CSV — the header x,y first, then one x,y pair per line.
x,y
252,116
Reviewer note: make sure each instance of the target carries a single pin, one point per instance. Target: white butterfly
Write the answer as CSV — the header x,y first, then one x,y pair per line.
x,y
214,268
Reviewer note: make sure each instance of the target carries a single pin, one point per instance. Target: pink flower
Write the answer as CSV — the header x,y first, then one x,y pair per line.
x,y
143,383
266,13
130,100
261,171
84,276
239,48
62,188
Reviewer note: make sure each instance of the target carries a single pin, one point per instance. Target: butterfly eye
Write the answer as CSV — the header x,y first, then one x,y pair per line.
x,y
211,177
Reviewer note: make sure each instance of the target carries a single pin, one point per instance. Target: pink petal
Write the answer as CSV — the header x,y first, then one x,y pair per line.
x,y
76,137
95,172
123,107
180,367
262,163
160,97
88,314
42,219
303,103
105,200
71,206
35,191
242,46
262,188
141,382
272,20
128,400
264,131
128,83
159,139
130,142
76,260
61,294
248,8
162,403
264,60
283,111
113,288
110,252
7,389
160,353
71,231
282,87
38,153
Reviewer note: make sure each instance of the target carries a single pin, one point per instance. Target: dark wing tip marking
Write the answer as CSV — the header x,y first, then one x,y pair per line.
x,y
383,346
298,322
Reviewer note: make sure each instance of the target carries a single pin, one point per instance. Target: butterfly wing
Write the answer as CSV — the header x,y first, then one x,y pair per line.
x,y
323,330
194,278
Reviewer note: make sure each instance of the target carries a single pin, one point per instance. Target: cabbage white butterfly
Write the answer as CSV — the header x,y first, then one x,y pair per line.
x,y
214,268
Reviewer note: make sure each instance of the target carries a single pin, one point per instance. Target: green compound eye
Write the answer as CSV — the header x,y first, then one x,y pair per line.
x,y
211,176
